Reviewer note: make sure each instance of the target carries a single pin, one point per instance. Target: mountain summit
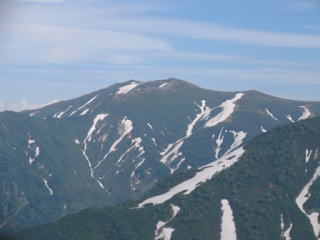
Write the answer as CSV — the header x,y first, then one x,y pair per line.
x,y
117,143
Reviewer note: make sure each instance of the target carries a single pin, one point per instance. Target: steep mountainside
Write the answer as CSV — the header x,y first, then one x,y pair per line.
x,y
116,143
266,189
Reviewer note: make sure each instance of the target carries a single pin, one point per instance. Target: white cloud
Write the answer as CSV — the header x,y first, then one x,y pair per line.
x,y
22,105
2,108
18,106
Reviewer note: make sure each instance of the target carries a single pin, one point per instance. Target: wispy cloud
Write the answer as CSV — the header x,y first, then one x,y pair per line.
x,y
42,1
312,27
55,44
206,31
82,74
305,5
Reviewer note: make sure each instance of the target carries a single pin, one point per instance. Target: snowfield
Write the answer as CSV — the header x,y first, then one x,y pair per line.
x,y
205,173
228,227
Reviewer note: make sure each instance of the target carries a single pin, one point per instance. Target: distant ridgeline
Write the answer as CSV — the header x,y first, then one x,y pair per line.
x,y
117,143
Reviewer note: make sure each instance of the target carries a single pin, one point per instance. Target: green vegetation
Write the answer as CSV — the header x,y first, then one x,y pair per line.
x,y
260,187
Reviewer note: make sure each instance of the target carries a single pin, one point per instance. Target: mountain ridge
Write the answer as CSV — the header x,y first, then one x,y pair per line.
x,y
117,143
180,82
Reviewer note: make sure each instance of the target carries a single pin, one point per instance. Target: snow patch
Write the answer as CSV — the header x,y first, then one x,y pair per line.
x,y
127,88
228,227
83,106
154,141
227,109
263,129
132,183
306,113
219,142
163,84
172,152
290,118
84,112
45,181
135,144
238,140
162,232
203,114
88,138
31,160
303,198
60,114
204,174
285,233
101,185
141,152
36,151
150,126
33,113
125,127
138,165
271,115
308,155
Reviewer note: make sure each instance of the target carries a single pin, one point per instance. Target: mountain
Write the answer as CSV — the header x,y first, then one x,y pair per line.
x,y
117,143
268,188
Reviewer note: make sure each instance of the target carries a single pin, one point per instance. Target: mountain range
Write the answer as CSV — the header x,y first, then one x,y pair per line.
x,y
156,141
267,188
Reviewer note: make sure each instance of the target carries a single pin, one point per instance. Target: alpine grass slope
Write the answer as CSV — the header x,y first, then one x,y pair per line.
x,y
117,143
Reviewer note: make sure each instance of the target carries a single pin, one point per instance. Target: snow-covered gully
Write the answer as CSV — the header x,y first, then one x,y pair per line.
x,y
83,106
32,147
88,138
305,114
45,181
127,88
228,227
204,174
125,127
303,198
285,232
162,231
172,152
228,108
290,118
271,115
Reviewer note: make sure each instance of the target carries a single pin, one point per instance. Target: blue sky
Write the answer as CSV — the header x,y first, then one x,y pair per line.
x,y
60,49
